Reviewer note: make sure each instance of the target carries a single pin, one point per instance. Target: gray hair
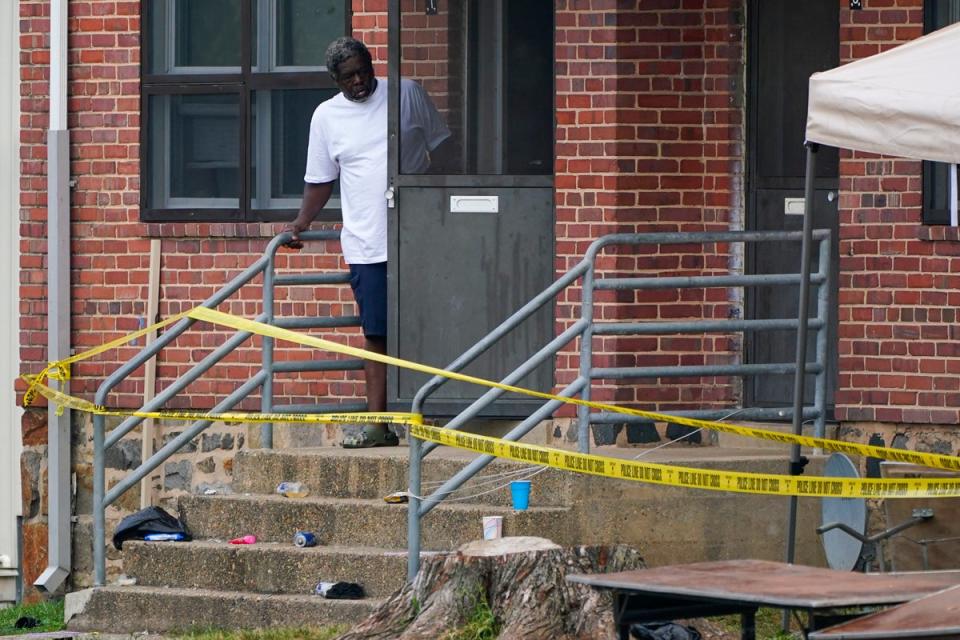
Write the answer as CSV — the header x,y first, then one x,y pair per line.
x,y
341,50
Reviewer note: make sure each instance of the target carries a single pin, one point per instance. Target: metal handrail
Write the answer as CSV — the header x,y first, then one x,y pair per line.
x,y
586,327
262,379
583,328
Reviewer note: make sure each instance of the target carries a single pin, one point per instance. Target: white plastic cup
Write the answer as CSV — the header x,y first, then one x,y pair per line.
x,y
492,527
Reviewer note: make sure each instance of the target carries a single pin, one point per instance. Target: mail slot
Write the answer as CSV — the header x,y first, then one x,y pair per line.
x,y
793,206
474,204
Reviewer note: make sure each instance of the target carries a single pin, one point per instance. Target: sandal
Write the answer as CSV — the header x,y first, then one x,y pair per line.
x,y
371,436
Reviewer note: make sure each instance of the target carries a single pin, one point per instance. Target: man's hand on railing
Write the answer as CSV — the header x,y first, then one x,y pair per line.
x,y
295,228
315,197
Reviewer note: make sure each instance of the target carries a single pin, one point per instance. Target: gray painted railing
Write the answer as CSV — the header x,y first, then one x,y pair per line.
x,y
586,327
263,379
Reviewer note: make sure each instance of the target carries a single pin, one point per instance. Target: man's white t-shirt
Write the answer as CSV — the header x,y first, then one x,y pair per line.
x,y
349,140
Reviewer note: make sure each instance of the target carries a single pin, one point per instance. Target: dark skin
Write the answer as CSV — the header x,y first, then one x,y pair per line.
x,y
357,82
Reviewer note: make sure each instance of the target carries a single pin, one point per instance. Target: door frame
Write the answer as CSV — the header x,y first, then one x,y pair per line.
x,y
397,180
394,177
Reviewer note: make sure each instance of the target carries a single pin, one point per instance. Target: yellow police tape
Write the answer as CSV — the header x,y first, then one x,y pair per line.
x,y
736,481
582,463
73,402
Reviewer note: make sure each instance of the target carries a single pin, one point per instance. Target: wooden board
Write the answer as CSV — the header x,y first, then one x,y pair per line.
x,y
776,584
934,616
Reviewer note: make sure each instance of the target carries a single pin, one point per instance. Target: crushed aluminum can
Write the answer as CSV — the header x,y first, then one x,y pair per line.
x,y
304,539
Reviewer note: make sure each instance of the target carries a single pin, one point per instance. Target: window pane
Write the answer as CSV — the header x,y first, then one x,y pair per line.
x,y
194,151
295,33
281,124
936,185
936,190
944,12
487,67
194,36
305,28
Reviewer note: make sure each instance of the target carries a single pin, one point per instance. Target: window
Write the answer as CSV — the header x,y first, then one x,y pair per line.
x,y
939,180
228,90
490,76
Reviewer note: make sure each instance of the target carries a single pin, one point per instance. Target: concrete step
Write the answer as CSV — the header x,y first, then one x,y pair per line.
x,y
270,567
374,473
369,523
162,610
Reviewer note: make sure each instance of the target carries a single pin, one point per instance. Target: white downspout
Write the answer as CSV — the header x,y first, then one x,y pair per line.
x,y
10,441
58,302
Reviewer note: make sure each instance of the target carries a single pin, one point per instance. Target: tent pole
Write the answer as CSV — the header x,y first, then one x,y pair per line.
x,y
797,461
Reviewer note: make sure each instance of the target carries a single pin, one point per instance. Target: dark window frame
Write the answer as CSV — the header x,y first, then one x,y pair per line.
x,y
933,215
244,83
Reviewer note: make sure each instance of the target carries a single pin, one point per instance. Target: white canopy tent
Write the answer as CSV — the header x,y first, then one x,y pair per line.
x,y
904,102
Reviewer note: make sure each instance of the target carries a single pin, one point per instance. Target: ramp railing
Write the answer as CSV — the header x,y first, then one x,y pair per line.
x,y
587,326
263,379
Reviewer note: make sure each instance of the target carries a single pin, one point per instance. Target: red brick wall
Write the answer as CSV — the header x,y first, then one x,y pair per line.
x,y
649,139
110,246
898,343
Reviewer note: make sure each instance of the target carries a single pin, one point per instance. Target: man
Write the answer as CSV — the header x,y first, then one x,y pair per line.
x,y
348,140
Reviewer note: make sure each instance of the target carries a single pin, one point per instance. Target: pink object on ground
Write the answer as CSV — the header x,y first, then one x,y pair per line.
x,y
244,540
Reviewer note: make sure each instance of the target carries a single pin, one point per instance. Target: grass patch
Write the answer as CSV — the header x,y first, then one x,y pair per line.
x,y
49,614
482,624
767,621
280,633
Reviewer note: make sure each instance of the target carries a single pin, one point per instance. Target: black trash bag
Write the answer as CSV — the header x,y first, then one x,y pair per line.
x,y
147,521
663,631
26,622
339,590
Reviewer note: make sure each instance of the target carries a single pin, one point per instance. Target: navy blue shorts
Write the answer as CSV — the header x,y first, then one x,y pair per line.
x,y
369,284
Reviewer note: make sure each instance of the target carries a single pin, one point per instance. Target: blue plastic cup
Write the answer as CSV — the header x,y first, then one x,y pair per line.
x,y
520,492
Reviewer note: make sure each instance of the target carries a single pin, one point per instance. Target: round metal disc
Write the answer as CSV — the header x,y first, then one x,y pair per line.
x,y
842,549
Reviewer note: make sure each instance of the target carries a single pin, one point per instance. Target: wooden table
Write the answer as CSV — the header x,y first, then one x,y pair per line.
x,y
742,586
933,616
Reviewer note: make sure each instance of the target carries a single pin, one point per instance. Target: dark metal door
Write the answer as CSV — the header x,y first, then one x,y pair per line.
x,y
472,230
788,41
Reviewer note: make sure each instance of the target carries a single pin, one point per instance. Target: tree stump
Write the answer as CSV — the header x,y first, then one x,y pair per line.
x,y
521,581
